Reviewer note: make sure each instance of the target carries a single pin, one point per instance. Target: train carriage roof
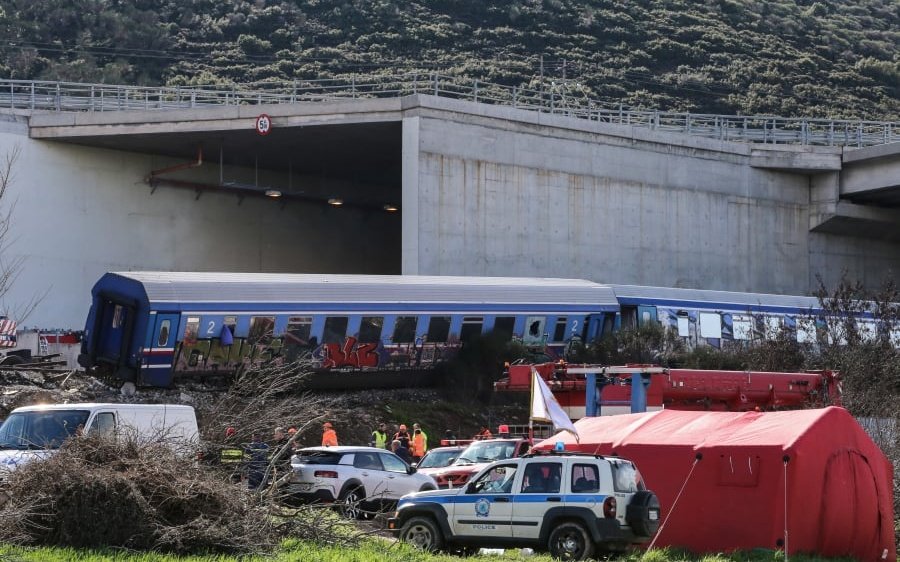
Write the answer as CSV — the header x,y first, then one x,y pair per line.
x,y
201,287
722,300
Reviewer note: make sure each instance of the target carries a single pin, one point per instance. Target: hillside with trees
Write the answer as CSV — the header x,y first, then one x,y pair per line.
x,y
823,58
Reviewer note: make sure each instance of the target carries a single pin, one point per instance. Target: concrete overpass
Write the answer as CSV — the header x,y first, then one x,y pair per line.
x,y
480,190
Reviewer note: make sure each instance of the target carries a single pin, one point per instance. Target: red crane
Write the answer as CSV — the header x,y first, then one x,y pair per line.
x,y
678,389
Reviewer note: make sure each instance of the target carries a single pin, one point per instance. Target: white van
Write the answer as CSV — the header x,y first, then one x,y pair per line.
x,y
36,431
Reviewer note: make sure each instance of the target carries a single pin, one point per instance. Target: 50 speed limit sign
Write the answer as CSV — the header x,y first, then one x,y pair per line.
x,y
263,124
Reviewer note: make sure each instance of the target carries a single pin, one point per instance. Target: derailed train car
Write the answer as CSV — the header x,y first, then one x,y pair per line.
x,y
149,327
369,331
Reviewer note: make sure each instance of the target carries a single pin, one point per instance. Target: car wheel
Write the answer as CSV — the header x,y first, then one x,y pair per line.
x,y
351,503
642,514
570,541
422,533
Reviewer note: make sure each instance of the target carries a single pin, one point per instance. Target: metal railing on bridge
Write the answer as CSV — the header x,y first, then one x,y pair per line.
x,y
556,99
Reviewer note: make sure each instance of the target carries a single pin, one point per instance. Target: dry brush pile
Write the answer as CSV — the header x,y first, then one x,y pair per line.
x,y
142,494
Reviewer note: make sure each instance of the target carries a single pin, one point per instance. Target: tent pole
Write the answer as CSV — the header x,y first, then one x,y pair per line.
x,y
786,460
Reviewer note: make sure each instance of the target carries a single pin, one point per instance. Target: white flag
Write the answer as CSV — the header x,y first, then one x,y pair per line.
x,y
545,408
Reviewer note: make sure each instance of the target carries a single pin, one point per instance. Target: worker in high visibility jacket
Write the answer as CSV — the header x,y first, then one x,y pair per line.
x,y
232,457
329,435
419,443
379,437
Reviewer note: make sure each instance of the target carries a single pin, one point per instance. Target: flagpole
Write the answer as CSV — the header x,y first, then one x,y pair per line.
x,y
530,412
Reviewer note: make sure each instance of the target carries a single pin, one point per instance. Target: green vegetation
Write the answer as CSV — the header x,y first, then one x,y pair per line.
x,y
372,551
821,58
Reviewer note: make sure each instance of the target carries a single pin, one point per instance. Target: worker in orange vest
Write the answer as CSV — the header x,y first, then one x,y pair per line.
x,y
329,435
418,443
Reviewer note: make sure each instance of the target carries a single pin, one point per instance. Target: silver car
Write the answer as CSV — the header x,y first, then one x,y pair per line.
x,y
360,479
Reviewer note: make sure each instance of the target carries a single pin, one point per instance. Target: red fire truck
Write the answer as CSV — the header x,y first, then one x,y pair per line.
x,y
636,388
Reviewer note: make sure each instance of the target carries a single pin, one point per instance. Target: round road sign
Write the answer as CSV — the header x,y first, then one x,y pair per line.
x,y
263,124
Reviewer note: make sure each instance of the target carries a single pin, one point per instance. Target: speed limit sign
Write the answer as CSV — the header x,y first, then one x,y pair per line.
x,y
263,124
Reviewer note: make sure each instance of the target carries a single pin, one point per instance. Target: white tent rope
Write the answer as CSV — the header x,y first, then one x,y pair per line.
x,y
674,503
786,460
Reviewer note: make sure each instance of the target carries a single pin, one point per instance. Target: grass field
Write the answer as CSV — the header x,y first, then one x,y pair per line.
x,y
370,551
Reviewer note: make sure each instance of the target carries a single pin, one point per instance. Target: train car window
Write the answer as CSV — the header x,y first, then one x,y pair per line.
x,y
609,324
164,328
191,330
806,330
118,316
405,329
836,332
262,328
370,329
534,330
772,326
742,327
471,327
559,332
867,331
895,337
684,326
335,329
299,328
710,325
230,322
504,326
629,317
439,328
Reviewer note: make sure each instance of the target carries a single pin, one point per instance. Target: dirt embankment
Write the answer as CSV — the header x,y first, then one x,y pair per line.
x,y
354,413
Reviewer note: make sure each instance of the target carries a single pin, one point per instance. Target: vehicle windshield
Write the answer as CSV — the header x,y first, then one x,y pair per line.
x,y
487,451
42,429
438,459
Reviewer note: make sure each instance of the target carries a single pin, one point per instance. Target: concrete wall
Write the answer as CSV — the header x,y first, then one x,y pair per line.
x,y
80,212
545,197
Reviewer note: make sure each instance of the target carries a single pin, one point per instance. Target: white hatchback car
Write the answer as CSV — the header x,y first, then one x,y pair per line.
x,y
361,479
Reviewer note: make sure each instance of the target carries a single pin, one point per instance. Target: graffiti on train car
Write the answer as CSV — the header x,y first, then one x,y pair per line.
x,y
211,355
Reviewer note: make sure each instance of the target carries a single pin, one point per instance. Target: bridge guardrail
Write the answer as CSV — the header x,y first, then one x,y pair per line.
x,y
559,99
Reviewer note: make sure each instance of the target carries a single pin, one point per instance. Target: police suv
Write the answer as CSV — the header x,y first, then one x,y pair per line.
x,y
571,505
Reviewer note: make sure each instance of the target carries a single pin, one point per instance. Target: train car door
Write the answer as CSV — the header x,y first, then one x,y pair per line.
x,y
646,315
113,332
159,355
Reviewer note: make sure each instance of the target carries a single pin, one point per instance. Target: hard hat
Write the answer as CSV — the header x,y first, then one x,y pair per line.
x,y
504,428
229,432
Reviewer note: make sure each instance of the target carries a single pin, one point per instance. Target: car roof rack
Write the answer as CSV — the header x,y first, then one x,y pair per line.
x,y
553,453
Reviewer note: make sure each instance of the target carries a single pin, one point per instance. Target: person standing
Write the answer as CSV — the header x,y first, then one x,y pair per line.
x,y
280,453
329,435
485,433
401,451
402,435
258,460
232,457
419,443
379,437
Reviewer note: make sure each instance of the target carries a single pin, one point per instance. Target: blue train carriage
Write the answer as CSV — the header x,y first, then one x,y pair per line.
x,y
149,327
703,317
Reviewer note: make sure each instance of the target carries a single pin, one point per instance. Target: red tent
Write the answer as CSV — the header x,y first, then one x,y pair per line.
x,y
816,469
